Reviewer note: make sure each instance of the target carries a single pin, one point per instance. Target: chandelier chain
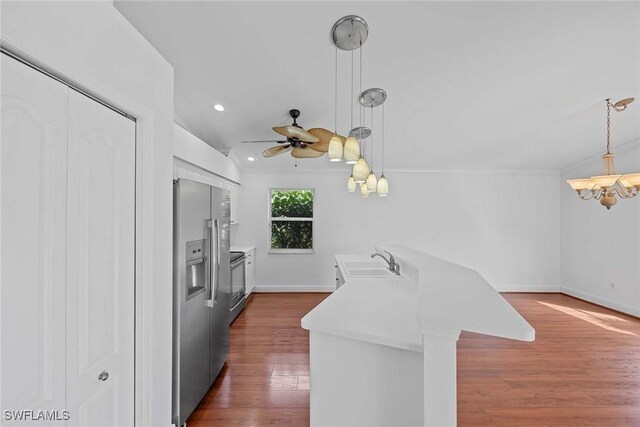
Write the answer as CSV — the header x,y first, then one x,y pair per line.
x,y
617,109
608,125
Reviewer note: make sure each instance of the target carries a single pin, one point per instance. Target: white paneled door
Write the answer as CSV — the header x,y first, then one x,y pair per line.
x,y
33,224
67,261
100,264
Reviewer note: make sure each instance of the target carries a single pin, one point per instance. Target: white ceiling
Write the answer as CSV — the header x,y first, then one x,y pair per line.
x,y
471,85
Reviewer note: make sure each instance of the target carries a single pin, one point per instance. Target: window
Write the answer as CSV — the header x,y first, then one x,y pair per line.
x,y
291,221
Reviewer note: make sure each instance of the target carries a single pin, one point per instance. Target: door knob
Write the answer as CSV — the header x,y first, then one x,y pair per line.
x,y
103,376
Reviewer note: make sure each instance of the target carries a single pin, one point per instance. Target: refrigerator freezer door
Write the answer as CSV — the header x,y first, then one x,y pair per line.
x,y
219,338
191,316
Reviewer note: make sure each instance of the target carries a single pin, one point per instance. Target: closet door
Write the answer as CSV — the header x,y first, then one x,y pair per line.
x,y
33,231
100,265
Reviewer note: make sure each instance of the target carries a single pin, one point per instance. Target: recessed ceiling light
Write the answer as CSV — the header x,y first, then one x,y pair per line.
x,y
218,107
251,159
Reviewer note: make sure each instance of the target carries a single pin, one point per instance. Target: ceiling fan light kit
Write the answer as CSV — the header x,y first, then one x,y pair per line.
x,y
608,186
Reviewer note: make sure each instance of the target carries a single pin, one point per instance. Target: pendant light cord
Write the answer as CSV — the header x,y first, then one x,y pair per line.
x,y
351,96
382,133
335,110
360,94
371,138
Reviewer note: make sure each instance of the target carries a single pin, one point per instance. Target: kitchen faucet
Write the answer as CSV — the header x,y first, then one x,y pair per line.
x,y
393,265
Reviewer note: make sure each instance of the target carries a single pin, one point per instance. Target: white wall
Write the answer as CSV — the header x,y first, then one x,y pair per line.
x,y
93,45
505,225
601,247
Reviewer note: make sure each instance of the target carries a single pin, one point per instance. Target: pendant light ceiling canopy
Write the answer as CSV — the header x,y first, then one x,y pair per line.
x,y
350,32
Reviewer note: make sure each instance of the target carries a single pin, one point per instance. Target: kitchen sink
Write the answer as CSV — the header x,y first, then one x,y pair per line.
x,y
351,265
370,272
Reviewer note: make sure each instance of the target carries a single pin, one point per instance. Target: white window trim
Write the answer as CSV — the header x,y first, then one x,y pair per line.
x,y
312,220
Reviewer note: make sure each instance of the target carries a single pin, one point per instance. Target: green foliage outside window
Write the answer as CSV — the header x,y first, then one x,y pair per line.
x,y
287,205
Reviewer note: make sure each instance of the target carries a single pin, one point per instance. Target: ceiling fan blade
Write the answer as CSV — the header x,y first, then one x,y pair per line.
x,y
296,132
265,140
306,153
325,136
274,151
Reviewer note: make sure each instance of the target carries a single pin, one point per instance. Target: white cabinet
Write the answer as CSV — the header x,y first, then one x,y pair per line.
x,y
68,218
250,270
339,277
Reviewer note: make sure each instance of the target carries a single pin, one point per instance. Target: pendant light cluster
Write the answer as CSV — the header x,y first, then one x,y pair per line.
x,y
607,186
349,33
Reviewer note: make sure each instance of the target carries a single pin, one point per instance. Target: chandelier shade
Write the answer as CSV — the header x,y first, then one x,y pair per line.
x,y
605,181
581,184
372,182
360,171
383,186
351,150
633,179
364,191
335,149
351,184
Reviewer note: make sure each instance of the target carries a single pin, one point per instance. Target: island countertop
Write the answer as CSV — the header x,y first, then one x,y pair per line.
x,y
377,310
445,298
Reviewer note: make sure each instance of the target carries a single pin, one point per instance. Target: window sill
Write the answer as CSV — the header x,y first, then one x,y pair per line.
x,y
291,251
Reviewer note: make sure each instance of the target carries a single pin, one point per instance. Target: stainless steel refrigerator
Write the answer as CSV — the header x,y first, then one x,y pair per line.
x,y
201,291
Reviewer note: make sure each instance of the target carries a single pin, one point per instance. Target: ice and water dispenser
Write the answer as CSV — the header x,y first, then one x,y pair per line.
x,y
196,267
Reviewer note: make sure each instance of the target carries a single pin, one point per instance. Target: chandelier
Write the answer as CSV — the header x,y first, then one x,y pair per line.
x,y
348,34
608,186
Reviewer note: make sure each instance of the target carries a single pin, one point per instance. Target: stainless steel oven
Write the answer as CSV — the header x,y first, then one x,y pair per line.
x,y
238,284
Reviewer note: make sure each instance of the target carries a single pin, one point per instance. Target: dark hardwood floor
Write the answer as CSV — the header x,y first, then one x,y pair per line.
x,y
582,370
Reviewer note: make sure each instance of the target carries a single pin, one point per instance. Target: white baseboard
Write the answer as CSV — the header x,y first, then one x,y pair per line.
x,y
527,288
634,311
294,289
501,288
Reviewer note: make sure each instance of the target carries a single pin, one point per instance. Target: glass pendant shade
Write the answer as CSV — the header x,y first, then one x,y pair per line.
x,y
633,179
581,184
335,149
605,181
372,182
383,186
351,184
364,191
351,151
360,171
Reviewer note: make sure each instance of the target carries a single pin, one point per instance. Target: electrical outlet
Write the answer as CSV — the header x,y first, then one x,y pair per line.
x,y
612,286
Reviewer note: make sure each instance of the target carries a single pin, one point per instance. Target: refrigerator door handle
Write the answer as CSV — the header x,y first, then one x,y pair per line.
x,y
214,240
217,281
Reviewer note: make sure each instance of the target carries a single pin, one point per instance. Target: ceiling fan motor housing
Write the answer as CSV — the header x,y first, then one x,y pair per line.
x,y
294,113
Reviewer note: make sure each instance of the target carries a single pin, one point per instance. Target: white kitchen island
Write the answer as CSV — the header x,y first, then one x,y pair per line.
x,y
383,349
